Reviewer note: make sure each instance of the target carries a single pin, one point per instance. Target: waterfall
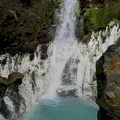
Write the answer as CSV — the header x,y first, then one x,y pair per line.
x,y
72,64
69,68
64,43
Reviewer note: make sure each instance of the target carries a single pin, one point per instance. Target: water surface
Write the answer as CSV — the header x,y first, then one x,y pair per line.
x,y
62,109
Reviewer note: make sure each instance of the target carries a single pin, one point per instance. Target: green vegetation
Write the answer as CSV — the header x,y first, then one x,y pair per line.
x,y
100,18
25,23
77,10
33,76
16,58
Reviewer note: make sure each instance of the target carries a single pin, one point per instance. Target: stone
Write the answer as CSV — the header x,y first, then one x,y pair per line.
x,y
15,76
110,95
12,104
3,80
108,83
44,48
66,90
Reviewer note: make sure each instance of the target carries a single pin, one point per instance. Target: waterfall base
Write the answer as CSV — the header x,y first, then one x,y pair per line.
x,y
62,109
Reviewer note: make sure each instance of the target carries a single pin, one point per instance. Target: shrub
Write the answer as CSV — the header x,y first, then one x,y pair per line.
x,y
101,17
22,21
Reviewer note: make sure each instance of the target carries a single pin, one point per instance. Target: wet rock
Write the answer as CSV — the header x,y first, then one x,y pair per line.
x,y
65,90
69,74
80,29
12,104
15,76
3,80
3,61
108,80
44,54
2,89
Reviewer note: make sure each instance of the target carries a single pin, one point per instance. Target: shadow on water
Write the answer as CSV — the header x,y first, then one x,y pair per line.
x,y
62,109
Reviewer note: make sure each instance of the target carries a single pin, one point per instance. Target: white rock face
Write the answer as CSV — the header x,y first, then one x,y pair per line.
x,y
34,82
81,66
10,105
89,54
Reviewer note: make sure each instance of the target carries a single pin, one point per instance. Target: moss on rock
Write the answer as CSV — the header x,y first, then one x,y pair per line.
x,y
100,17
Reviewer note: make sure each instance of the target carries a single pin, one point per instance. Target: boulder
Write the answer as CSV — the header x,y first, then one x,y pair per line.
x,y
15,76
3,80
108,84
12,104
66,90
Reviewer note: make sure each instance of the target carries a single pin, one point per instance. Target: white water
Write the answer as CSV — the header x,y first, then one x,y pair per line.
x,y
64,44
73,63
65,56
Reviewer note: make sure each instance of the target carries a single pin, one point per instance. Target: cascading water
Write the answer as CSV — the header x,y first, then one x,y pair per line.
x,y
64,43
69,68
72,64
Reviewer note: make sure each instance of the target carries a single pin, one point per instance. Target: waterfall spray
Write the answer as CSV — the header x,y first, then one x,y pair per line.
x,y
64,43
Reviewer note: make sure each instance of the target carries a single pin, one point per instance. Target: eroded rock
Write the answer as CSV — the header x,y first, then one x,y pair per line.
x,y
3,80
15,76
12,104
65,90
108,80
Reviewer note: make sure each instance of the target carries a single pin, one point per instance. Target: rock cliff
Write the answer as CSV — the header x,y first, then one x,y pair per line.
x,y
108,83
12,104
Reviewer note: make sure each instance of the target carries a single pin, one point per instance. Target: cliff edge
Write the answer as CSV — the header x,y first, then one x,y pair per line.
x,y
108,83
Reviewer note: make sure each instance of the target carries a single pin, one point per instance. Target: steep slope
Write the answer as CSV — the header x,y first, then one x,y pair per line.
x,y
108,83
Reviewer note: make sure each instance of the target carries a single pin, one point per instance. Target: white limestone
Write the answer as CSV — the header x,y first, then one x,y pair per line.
x,y
8,101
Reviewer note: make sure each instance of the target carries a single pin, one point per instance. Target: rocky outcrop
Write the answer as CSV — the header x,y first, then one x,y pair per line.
x,y
108,81
13,77
12,104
